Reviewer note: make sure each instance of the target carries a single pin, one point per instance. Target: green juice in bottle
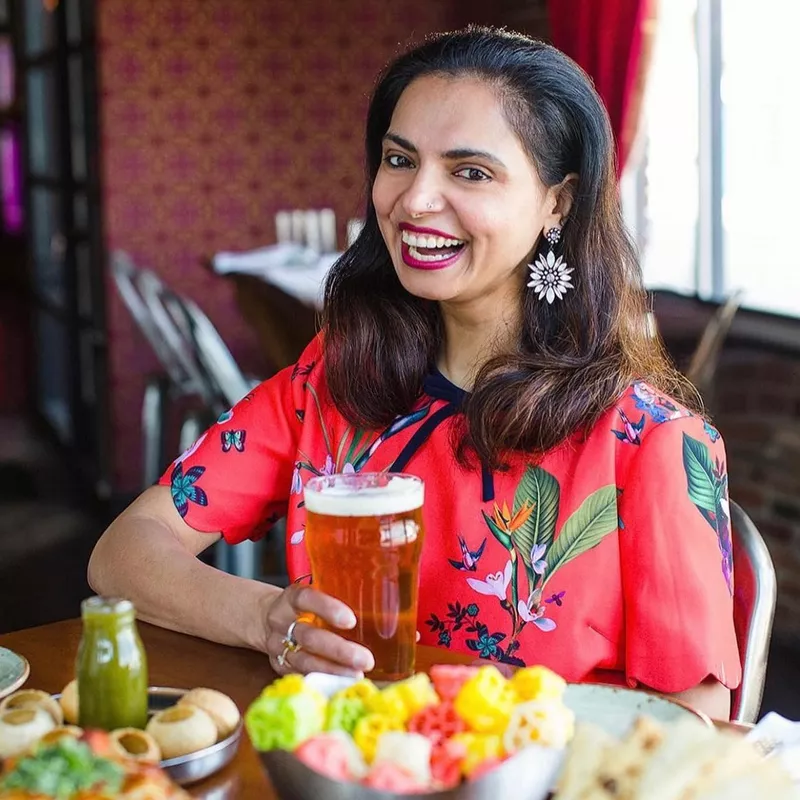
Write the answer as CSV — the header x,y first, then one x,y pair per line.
x,y
111,667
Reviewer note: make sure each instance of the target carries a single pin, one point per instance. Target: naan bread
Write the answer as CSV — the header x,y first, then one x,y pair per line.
x,y
585,755
682,761
614,770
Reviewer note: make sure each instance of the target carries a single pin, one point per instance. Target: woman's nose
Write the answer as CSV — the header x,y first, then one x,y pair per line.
x,y
422,197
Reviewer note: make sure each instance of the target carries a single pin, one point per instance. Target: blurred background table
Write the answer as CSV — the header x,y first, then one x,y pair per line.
x,y
284,324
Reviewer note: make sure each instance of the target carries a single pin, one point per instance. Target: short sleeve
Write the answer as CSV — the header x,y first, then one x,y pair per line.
x,y
236,478
676,560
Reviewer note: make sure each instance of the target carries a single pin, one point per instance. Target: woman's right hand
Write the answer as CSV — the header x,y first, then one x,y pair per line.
x,y
320,650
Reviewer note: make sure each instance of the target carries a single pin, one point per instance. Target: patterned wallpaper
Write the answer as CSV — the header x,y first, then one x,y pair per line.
x,y
214,115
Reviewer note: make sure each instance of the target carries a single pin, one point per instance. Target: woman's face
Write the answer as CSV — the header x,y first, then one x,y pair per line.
x,y
458,201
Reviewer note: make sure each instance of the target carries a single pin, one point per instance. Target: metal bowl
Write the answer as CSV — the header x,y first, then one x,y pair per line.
x,y
530,774
195,766
202,763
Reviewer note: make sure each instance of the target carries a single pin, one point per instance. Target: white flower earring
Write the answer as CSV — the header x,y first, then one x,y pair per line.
x,y
550,277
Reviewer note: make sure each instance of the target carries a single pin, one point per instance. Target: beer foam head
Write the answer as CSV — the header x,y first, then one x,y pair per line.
x,y
364,495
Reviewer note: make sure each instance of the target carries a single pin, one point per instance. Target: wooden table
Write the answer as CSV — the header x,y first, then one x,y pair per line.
x,y
182,662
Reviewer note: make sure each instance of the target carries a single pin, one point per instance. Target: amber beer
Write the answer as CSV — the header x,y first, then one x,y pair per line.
x,y
364,537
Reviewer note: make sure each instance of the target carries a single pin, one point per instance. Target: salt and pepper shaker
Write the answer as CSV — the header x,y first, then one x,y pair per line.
x,y
298,226
313,235
327,227
316,229
283,227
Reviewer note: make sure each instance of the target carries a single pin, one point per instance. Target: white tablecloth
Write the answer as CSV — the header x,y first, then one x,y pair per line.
x,y
294,269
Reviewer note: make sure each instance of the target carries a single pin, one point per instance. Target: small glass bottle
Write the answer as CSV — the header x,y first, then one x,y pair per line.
x,y
111,666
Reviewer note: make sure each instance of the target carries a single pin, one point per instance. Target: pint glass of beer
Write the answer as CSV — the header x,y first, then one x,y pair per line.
x,y
364,537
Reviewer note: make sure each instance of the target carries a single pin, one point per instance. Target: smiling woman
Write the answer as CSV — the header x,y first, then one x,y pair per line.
x,y
485,333
477,139
437,165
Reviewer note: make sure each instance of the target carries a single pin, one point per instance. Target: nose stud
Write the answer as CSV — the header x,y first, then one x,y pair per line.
x,y
430,206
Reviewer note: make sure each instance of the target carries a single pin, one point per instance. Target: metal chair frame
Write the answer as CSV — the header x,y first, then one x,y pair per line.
x,y
753,616
160,388
197,363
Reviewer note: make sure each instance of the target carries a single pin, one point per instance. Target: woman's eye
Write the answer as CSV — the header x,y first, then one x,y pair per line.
x,y
396,161
473,174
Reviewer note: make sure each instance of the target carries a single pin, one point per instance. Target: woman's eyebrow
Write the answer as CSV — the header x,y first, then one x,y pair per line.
x,y
400,142
455,154
461,153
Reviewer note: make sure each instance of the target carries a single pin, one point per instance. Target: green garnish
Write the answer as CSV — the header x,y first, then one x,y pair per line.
x,y
64,769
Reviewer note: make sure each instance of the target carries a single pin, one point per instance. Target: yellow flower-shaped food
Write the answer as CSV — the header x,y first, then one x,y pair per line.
x,y
485,701
285,686
290,685
389,702
548,724
478,747
362,690
417,693
538,683
369,730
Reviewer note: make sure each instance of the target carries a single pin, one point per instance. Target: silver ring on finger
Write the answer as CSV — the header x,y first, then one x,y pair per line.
x,y
281,659
290,644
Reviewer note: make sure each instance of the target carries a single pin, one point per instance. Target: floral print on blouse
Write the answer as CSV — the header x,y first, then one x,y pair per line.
x,y
609,559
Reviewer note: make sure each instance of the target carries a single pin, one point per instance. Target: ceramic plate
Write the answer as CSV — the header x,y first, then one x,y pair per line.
x,y
614,708
14,671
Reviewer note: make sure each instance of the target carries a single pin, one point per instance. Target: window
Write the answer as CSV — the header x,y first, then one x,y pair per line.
x,y
712,197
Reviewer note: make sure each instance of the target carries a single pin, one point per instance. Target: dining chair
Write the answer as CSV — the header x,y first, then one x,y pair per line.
x,y
705,359
160,388
162,303
754,597
197,364
226,379
201,349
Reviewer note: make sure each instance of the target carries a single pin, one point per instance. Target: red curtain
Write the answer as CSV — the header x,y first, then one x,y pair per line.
x,y
607,39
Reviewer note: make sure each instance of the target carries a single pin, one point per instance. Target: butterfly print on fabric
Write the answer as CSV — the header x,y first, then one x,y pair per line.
x,y
233,440
184,489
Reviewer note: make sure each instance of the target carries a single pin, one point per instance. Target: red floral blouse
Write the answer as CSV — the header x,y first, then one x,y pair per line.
x,y
609,560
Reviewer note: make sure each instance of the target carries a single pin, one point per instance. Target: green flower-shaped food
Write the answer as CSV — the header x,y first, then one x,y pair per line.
x,y
282,723
344,713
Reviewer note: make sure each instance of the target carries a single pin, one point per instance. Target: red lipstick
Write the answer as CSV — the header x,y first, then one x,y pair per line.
x,y
406,226
417,263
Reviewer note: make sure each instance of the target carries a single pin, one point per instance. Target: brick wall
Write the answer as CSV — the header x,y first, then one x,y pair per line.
x,y
757,410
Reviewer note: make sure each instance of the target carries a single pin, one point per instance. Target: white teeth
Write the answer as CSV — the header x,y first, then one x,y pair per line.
x,y
425,257
429,242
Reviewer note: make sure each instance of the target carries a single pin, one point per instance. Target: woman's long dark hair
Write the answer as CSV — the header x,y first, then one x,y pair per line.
x,y
573,358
